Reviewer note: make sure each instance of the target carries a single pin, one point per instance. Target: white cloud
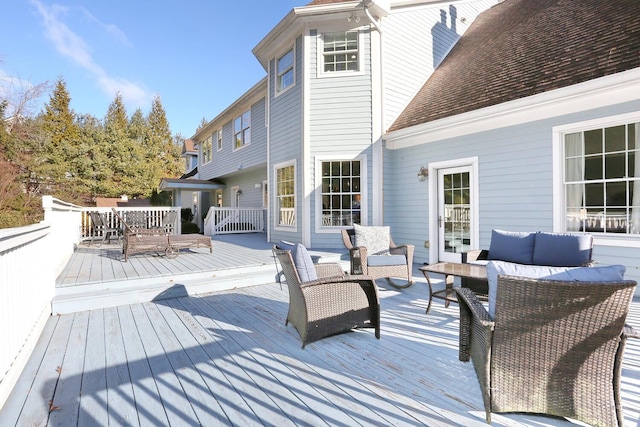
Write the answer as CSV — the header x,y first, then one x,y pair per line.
x,y
111,29
70,45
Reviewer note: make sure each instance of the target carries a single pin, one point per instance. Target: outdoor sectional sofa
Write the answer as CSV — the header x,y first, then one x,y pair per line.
x,y
531,248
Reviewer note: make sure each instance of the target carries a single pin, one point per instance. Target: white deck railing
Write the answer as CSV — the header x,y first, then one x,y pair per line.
x,y
153,218
233,220
28,259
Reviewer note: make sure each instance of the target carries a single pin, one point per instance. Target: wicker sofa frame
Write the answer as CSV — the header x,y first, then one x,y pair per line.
x,y
553,348
358,259
332,304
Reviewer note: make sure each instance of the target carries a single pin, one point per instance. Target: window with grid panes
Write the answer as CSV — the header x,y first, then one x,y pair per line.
x,y
242,130
285,71
341,193
602,179
340,51
206,150
285,195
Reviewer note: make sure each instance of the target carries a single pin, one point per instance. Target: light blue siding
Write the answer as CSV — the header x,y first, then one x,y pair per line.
x,y
286,138
515,174
340,122
227,160
415,40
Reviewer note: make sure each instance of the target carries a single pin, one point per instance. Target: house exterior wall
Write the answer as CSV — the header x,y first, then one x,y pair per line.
x,y
516,184
415,41
228,160
286,138
340,126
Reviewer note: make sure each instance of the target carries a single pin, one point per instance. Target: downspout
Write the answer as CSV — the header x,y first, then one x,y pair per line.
x,y
267,123
372,20
378,191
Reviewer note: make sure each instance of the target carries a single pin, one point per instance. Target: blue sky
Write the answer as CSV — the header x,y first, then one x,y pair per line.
x,y
195,54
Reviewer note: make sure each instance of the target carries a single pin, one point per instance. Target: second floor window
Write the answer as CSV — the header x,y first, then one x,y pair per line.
x,y
206,150
219,138
340,52
242,130
285,71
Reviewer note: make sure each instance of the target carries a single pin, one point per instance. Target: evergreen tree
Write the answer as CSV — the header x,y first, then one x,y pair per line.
x,y
125,156
161,150
61,146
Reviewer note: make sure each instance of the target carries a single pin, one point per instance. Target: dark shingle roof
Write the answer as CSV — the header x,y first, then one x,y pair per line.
x,y
520,48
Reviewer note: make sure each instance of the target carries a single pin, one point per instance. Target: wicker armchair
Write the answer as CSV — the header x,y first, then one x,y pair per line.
x,y
361,260
553,348
332,304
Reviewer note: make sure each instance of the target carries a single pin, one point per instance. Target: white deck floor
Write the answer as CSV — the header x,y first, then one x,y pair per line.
x,y
227,358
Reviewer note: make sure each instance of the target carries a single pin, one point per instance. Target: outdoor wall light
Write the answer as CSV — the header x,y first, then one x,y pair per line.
x,y
353,17
423,173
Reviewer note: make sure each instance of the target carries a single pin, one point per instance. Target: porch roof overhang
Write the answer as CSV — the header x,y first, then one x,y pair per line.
x,y
189,184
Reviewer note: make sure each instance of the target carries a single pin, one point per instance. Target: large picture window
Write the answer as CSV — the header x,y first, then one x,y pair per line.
x,y
340,52
341,193
285,195
602,179
285,77
242,130
206,150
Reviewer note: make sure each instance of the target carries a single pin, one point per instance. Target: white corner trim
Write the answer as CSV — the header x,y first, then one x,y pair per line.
x,y
605,91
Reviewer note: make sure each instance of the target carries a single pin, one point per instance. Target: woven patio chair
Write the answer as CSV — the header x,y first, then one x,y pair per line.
x,y
331,304
396,262
554,347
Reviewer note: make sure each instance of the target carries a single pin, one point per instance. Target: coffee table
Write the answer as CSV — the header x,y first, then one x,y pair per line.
x,y
450,270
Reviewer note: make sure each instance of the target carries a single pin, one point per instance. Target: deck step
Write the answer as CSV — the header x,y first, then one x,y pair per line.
x,y
110,294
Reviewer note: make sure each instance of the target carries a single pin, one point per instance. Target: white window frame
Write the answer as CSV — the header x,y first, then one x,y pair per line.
x,y
244,130
281,73
559,201
364,200
265,194
219,139
321,55
207,150
276,202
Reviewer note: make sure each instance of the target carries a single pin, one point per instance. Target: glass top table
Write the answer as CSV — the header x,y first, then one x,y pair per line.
x,y
451,270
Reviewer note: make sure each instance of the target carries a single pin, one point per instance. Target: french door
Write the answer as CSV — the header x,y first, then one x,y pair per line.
x,y
455,208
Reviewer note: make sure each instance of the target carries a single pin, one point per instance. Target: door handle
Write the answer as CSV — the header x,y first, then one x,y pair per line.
x,y
439,221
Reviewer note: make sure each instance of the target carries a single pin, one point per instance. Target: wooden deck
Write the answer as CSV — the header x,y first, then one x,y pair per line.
x,y
226,358
98,277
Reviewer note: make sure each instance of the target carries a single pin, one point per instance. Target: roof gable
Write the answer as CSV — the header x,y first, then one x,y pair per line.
x,y
520,48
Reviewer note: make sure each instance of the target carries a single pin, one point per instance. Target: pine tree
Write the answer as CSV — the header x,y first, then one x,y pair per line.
x,y
161,150
61,145
125,156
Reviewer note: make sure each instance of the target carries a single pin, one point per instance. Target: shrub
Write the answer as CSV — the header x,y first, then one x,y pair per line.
x,y
186,214
190,228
